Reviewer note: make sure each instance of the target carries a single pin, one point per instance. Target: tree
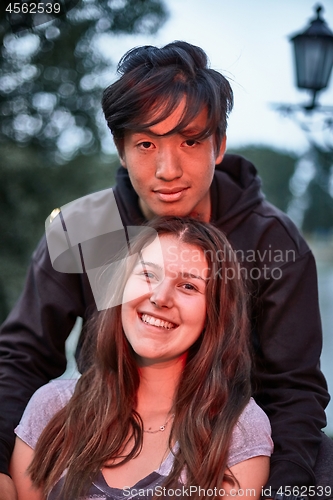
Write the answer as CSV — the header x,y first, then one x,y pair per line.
x,y
29,191
318,215
275,169
51,77
51,128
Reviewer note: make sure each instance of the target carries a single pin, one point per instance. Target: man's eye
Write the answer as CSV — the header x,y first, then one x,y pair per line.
x,y
191,142
146,145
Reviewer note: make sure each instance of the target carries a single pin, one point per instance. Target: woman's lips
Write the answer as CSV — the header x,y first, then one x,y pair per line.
x,y
170,195
155,321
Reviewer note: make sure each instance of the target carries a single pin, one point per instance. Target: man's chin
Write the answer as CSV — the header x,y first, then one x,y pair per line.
x,y
173,213
165,211
200,211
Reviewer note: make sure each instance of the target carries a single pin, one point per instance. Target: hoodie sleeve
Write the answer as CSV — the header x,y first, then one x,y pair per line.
x,y
288,383
286,328
32,340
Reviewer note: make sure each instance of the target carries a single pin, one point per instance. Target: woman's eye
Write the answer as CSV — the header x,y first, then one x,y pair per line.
x,y
189,286
147,275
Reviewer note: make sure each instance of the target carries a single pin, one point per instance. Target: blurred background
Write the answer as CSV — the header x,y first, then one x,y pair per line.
x,y
55,146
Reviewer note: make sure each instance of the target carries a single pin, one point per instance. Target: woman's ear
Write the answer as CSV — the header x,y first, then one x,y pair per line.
x,y
221,150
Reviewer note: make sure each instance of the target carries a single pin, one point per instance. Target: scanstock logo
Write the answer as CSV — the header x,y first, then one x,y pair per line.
x,y
88,236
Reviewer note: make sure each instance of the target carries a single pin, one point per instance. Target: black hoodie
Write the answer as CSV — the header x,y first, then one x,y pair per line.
x,y
286,328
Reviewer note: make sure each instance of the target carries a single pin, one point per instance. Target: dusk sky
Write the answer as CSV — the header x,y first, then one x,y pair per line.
x,y
249,43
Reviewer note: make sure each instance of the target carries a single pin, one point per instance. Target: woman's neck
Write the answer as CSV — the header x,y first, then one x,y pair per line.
x,y
158,385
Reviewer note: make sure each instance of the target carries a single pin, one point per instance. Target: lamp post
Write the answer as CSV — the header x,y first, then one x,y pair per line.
x,y
313,57
313,53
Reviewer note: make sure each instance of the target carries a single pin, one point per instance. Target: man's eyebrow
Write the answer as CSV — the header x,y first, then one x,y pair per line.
x,y
189,131
186,132
146,131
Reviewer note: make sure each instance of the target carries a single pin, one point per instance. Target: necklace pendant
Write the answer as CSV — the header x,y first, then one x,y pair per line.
x,y
162,428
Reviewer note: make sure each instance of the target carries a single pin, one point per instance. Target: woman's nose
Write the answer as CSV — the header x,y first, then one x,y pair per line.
x,y
162,295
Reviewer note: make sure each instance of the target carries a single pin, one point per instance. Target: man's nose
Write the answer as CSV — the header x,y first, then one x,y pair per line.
x,y
168,164
162,295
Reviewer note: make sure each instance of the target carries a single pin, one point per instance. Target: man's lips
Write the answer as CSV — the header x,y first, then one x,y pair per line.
x,y
174,194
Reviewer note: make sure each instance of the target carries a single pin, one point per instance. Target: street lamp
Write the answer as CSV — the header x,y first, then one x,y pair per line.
x,y
313,55
313,52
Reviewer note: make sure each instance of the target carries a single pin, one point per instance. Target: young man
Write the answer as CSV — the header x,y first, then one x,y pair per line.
x,y
167,114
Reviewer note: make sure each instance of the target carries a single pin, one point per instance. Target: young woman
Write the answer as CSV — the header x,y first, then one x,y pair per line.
x,y
165,407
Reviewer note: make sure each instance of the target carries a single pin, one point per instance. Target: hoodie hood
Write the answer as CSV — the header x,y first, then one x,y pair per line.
x,y
235,189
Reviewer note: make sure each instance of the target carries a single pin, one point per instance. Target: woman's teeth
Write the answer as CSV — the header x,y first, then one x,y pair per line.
x,y
157,322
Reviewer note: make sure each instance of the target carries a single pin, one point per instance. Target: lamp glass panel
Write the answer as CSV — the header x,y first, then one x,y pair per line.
x,y
314,60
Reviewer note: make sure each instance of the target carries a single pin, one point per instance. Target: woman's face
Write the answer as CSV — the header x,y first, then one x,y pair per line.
x,y
168,312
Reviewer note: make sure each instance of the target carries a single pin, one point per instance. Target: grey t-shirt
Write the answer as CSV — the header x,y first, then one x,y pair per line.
x,y
251,437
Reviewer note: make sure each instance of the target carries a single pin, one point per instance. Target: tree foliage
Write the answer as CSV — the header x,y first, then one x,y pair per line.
x,y
51,77
275,168
318,215
51,125
29,191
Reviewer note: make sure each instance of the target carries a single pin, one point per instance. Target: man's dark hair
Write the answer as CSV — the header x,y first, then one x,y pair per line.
x,y
153,82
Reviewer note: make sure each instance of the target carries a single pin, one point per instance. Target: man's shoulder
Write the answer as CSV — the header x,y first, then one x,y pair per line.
x,y
237,167
246,216
279,227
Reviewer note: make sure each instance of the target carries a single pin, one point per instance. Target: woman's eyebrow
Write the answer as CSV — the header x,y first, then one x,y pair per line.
x,y
183,274
193,276
151,264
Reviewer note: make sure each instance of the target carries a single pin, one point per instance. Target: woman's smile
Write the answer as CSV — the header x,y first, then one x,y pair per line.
x,y
157,322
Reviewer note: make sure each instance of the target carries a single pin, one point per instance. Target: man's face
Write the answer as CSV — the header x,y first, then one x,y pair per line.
x,y
172,174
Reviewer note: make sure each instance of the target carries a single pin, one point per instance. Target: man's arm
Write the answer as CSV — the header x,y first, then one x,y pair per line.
x,y
32,340
289,385
286,336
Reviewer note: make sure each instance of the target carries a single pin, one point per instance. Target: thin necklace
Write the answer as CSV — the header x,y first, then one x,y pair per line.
x,y
162,427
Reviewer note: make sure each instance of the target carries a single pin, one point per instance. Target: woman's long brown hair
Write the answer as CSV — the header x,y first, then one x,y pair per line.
x,y
101,419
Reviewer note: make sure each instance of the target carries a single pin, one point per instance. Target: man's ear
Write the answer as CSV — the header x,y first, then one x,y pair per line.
x,y
122,161
221,150
119,143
